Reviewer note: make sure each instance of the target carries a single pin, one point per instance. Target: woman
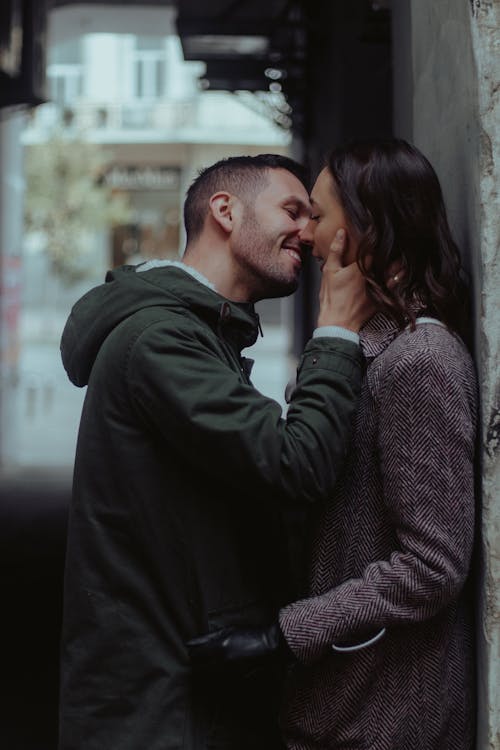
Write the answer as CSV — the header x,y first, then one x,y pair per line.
x,y
383,642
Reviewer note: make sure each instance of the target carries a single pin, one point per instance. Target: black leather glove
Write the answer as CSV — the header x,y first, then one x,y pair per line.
x,y
238,646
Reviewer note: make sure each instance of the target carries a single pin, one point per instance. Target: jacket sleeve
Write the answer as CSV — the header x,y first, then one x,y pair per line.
x,y
204,409
426,446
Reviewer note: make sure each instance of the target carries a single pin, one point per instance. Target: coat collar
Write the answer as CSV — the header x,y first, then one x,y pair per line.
x,y
236,321
126,292
376,335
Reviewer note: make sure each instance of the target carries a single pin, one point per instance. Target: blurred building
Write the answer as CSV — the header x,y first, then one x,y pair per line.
x,y
133,94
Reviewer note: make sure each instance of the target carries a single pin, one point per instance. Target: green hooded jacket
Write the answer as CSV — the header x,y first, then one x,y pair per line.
x,y
183,477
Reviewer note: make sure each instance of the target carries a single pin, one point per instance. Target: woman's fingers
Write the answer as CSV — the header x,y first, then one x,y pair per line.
x,y
335,257
343,297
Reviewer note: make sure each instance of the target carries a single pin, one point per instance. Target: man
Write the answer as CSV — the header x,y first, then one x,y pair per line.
x,y
183,469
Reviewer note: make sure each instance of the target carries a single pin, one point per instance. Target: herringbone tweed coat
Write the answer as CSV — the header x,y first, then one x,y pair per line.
x,y
392,550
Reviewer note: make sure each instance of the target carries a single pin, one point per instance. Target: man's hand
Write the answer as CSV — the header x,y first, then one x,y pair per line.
x,y
237,645
343,299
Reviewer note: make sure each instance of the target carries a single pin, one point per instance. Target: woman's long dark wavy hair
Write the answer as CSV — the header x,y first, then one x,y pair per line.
x,y
392,198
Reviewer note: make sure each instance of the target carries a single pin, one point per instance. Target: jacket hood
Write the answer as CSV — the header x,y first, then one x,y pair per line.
x,y
125,292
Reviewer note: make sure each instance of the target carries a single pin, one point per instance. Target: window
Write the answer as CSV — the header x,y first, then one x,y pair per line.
x,y
64,72
149,67
65,83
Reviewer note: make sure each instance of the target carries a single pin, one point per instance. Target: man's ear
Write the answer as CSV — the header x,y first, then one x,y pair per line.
x,y
221,207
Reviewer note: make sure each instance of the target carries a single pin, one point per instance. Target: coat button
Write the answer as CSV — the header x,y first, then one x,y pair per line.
x,y
315,359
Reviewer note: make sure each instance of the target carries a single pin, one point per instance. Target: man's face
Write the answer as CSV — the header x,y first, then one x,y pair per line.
x,y
266,244
327,216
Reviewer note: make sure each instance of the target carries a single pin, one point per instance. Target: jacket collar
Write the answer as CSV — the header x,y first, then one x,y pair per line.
x,y
237,322
159,263
376,335
95,315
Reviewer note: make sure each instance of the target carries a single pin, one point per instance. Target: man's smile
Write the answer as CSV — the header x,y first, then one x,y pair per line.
x,y
294,251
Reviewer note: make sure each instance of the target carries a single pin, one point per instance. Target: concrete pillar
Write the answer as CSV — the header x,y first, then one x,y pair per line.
x,y
451,110
485,28
11,232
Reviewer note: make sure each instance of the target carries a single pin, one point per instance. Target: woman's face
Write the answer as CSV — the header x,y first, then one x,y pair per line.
x,y
327,215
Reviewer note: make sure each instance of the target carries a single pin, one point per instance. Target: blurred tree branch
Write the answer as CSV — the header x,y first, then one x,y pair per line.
x,y
67,199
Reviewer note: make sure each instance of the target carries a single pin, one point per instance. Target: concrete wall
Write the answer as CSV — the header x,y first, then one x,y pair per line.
x,y
446,58
348,75
485,28
348,96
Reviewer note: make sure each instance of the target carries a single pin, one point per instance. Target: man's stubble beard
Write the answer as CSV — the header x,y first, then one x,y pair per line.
x,y
258,256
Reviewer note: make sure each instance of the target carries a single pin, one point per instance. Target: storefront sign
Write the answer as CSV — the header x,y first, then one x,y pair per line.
x,y
142,178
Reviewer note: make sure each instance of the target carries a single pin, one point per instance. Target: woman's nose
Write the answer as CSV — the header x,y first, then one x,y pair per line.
x,y
306,235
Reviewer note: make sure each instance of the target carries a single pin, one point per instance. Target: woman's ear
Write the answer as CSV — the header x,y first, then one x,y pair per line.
x,y
221,207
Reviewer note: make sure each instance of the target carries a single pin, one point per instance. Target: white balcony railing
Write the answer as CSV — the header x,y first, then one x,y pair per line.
x,y
214,117
135,115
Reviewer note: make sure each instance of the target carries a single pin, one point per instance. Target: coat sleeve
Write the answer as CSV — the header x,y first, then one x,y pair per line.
x,y
426,448
204,410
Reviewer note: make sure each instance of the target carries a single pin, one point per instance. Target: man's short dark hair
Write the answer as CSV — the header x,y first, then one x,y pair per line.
x,y
243,176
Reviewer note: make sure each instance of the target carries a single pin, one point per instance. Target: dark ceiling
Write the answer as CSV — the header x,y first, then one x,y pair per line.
x,y
58,3
257,34
250,45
